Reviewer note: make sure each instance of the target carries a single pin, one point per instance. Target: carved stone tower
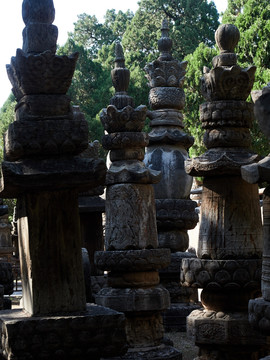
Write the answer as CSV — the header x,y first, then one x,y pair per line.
x,y
230,238
259,309
132,255
167,152
43,170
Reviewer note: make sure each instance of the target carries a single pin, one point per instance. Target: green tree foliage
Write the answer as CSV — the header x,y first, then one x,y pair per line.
x,y
91,86
6,117
253,21
92,35
192,22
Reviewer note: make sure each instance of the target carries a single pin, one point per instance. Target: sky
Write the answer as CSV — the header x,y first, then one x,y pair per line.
x,y
11,26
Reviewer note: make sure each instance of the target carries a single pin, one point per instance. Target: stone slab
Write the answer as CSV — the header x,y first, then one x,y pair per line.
x,y
79,336
50,174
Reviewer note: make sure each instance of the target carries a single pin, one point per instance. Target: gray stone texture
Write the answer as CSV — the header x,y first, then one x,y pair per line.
x,y
259,309
129,211
167,152
132,255
40,169
230,237
95,333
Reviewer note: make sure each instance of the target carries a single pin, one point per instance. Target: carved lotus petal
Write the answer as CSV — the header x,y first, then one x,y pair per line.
x,y
159,72
43,73
127,119
159,81
172,81
166,73
223,83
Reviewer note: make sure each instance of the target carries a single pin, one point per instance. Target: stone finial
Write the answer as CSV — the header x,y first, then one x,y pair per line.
x,y
165,43
227,37
38,11
227,80
119,61
120,79
166,72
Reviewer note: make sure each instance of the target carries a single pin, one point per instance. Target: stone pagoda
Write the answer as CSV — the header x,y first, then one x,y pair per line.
x,y
132,257
43,170
230,239
167,152
259,309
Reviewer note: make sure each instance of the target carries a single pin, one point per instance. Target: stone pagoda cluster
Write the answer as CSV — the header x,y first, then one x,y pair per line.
x,y
167,152
228,268
132,257
259,309
43,170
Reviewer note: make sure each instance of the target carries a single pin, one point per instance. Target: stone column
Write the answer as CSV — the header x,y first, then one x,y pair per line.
x,y
230,238
132,257
43,171
167,152
259,309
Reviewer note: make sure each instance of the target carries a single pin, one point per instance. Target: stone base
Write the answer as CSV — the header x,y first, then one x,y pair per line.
x,y
259,315
97,332
174,319
225,336
161,352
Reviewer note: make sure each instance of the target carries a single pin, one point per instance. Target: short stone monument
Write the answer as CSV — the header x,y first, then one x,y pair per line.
x,y
230,239
132,256
42,169
167,152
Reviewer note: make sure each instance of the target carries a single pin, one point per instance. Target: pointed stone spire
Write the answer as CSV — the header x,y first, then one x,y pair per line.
x,y
165,43
120,79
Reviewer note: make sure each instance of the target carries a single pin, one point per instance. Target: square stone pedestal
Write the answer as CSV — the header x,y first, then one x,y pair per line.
x,y
97,332
225,336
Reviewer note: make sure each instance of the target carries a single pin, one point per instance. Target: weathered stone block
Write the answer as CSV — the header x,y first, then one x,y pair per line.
x,y
167,97
79,336
50,174
133,260
129,211
45,138
132,299
219,328
32,34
